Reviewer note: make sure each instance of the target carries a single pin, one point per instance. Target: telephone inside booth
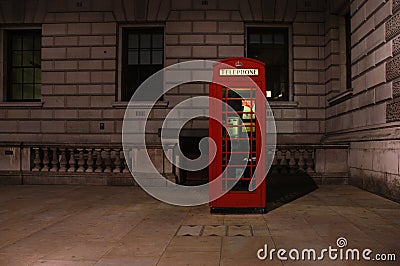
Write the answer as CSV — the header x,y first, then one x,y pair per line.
x,y
236,86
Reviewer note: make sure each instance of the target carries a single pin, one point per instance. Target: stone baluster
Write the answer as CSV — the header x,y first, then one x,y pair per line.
x,y
54,160
89,161
301,161
124,160
117,161
292,161
46,160
310,161
37,160
283,163
63,161
274,166
72,161
81,161
99,161
107,161
278,160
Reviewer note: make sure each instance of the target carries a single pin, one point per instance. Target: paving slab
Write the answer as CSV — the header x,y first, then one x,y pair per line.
x,y
93,225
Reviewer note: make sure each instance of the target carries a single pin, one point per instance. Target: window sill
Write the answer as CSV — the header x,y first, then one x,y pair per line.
x,y
7,105
144,104
281,104
341,97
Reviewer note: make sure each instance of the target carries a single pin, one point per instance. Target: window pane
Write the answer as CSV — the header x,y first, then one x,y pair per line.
x,y
17,75
157,41
16,58
27,42
38,42
37,91
28,91
145,57
37,59
279,39
16,92
157,57
133,57
17,43
133,41
145,40
27,59
254,38
29,75
267,38
38,75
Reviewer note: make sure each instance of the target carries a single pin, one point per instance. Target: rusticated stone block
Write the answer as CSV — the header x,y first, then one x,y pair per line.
x,y
203,26
393,68
104,28
79,28
396,89
54,29
230,51
178,27
204,51
396,5
396,45
231,27
393,110
393,26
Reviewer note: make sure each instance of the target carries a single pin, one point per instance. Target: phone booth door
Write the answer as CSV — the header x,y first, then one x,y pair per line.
x,y
235,82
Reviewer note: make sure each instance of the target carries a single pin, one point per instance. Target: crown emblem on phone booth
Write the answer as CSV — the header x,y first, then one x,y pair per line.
x,y
238,64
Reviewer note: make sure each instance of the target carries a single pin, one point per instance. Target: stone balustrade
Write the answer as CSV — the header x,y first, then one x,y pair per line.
x,y
80,160
287,159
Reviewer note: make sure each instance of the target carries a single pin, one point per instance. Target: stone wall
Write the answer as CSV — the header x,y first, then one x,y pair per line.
x,y
81,68
374,166
367,115
80,63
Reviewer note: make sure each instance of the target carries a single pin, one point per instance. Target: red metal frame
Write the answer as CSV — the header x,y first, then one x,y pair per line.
x,y
238,197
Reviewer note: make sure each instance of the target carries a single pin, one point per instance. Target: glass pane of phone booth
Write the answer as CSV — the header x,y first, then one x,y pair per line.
x,y
240,124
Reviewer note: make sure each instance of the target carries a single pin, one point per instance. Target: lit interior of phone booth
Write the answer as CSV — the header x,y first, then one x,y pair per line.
x,y
240,78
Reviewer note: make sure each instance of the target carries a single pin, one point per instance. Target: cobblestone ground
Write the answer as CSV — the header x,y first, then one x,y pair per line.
x,y
92,225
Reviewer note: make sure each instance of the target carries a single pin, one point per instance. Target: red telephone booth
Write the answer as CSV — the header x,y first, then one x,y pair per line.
x,y
235,82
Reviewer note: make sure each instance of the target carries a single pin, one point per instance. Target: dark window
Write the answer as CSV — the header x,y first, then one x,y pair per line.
x,y
270,45
143,55
23,65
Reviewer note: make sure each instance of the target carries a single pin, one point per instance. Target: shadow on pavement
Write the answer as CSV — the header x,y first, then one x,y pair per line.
x,y
284,188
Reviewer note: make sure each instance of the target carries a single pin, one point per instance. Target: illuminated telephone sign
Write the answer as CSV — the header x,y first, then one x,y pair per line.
x,y
240,78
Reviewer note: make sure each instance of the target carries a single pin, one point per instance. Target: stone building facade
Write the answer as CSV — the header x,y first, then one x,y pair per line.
x,y
338,119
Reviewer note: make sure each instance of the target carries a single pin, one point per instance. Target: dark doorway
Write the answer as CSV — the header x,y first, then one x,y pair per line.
x,y
190,148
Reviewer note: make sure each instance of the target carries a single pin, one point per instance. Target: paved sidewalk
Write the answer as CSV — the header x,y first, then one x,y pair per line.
x,y
76,225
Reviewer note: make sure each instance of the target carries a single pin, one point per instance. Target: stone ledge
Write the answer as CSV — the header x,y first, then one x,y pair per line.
x,y
341,97
341,178
20,105
283,104
388,131
66,178
10,178
141,104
